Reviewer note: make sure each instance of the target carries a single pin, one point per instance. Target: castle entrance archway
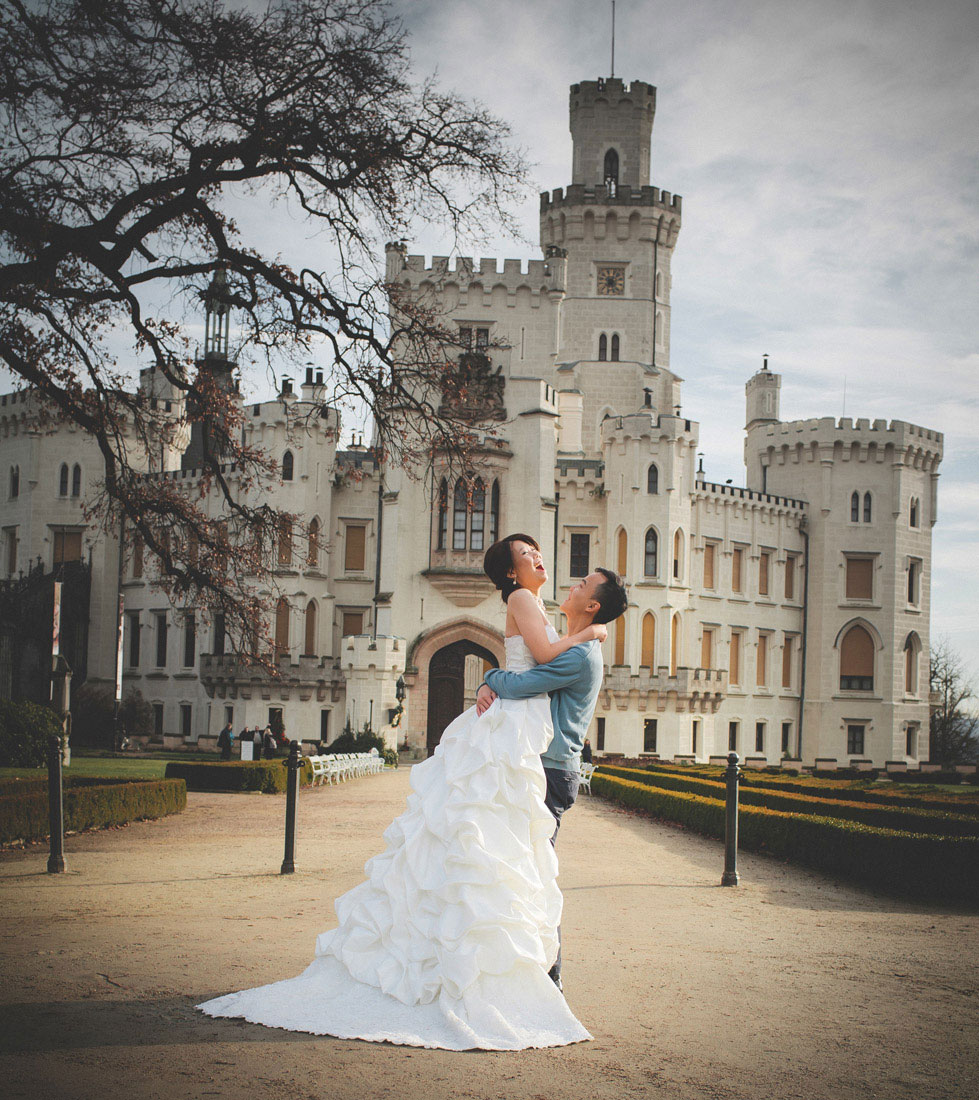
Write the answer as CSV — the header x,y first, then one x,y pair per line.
x,y
454,674
436,676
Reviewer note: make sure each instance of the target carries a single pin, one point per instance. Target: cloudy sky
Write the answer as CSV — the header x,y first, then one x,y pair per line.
x,y
826,153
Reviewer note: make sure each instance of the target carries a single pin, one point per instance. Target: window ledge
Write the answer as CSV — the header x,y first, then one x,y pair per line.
x,y
858,696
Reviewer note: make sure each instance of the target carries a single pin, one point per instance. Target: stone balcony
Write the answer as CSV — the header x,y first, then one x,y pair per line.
x,y
697,690
232,677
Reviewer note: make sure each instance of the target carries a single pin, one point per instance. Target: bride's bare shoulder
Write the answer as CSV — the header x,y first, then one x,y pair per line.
x,y
522,597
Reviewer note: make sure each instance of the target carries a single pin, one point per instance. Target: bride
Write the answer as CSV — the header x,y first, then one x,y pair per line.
x,y
448,940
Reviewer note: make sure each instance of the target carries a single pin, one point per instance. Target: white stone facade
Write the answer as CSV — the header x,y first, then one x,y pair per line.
x,y
743,600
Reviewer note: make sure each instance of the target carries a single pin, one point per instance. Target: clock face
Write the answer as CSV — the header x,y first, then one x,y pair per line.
x,y
611,280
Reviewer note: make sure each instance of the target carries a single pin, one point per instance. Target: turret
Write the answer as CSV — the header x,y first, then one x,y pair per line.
x,y
217,362
611,126
761,396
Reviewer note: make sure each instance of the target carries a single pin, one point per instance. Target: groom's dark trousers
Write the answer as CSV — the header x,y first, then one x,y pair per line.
x,y
562,790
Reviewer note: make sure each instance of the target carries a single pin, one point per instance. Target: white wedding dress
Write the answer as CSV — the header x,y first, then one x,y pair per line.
x,y
448,940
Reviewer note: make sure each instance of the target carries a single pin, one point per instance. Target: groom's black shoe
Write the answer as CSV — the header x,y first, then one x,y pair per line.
x,y
555,976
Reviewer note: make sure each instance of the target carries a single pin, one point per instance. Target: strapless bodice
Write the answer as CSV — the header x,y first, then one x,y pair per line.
x,y
518,655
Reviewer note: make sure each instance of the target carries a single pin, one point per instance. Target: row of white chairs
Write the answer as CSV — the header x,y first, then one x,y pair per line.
x,y
336,767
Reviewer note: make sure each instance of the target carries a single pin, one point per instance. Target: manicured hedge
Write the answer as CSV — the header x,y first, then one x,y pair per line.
x,y
910,864
909,819
88,804
24,731
823,788
267,776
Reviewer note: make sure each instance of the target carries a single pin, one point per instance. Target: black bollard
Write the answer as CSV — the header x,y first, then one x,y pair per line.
x,y
292,797
56,816
731,776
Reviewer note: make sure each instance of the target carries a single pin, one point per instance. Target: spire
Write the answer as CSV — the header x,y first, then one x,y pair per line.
x,y
612,73
217,317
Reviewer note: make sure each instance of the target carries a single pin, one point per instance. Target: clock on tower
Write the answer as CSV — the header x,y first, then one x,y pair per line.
x,y
611,280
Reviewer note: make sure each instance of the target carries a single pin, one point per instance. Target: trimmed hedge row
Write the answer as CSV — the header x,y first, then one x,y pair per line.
x,y
267,776
89,804
909,864
908,819
822,788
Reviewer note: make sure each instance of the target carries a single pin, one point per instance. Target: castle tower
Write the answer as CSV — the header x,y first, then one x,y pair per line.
x,y
611,125
761,393
871,488
618,233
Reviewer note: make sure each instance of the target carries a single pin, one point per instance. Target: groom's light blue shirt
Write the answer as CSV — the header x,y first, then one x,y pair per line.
x,y
573,679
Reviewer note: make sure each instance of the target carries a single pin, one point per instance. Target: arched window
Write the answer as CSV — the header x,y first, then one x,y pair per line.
x,y
620,627
76,480
477,525
857,660
622,552
281,628
442,532
63,480
309,648
855,507
652,480
459,516
615,347
678,555
675,640
288,466
14,482
650,566
913,512
285,541
313,555
602,348
494,531
648,641
912,647
867,508
611,171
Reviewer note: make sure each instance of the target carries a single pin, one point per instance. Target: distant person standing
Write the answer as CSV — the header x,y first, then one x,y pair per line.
x,y
586,752
268,743
225,737
257,739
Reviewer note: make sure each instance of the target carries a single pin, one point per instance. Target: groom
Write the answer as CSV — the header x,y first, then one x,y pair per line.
x,y
573,680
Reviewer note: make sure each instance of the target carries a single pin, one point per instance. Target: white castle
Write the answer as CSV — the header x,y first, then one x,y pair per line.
x,y
786,619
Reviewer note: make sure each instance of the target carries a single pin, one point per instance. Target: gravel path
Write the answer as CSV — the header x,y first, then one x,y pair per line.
x,y
787,986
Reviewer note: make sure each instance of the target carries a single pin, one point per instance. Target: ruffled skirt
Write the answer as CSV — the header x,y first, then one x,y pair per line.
x,y
447,941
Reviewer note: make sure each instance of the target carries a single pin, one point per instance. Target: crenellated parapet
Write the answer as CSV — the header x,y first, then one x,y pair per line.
x,y
579,194
464,271
709,490
826,439
648,426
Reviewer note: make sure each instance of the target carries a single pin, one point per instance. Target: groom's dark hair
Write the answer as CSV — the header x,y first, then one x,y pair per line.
x,y
611,596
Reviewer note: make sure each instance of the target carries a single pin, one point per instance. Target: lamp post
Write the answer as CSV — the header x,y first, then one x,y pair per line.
x,y
731,776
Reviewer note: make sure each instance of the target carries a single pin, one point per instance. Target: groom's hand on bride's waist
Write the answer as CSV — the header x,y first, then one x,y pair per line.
x,y
484,699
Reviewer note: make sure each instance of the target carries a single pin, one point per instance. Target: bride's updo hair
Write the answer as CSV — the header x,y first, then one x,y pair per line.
x,y
499,561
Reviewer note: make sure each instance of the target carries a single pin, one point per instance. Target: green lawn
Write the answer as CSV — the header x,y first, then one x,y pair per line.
x,y
135,766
